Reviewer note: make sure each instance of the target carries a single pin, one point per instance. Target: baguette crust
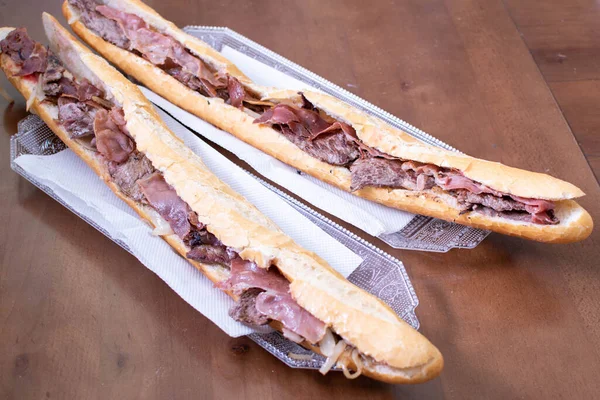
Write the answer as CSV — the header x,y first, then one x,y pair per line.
x,y
408,357
576,223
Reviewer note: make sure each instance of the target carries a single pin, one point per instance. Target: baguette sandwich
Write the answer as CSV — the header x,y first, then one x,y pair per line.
x,y
326,138
107,122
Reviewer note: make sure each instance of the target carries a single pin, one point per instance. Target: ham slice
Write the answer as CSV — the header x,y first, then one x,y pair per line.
x,y
534,206
246,275
128,22
275,301
282,307
163,198
237,94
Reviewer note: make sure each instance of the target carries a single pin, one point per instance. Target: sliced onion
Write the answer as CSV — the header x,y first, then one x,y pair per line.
x,y
327,344
251,113
293,336
37,92
357,362
103,102
162,229
259,102
331,360
5,94
303,357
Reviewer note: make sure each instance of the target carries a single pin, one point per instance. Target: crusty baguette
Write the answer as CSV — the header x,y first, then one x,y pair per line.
x,y
575,222
400,353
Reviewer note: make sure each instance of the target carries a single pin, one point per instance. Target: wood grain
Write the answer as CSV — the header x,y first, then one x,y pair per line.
x,y
81,318
579,102
563,36
564,40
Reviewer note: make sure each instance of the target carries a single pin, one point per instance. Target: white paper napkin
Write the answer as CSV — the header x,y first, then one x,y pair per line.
x,y
77,185
369,216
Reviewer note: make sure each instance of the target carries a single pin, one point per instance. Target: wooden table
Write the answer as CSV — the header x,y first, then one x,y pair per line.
x,y
82,319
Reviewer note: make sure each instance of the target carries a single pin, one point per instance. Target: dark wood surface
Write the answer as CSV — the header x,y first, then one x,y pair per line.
x,y
81,318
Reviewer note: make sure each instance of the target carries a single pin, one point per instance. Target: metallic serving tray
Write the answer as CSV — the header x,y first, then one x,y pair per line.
x,y
422,233
379,273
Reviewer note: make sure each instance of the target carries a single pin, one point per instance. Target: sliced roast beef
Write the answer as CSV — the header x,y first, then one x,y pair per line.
x,y
106,28
76,117
328,142
185,77
29,55
126,175
488,200
245,310
379,172
334,149
86,91
36,62
111,141
200,236
545,218
51,76
18,45
211,254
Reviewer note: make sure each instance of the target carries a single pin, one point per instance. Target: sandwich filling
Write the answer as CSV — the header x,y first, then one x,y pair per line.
x,y
99,125
310,129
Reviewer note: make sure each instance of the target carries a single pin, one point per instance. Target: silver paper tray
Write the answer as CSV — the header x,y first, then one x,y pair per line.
x,y
421,233
379,273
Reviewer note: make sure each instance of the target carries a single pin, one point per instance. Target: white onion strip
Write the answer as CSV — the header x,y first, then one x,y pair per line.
x,y
161,227
302,357
357,362
327,344
331,360
293,336
162,231
37,92
251,113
